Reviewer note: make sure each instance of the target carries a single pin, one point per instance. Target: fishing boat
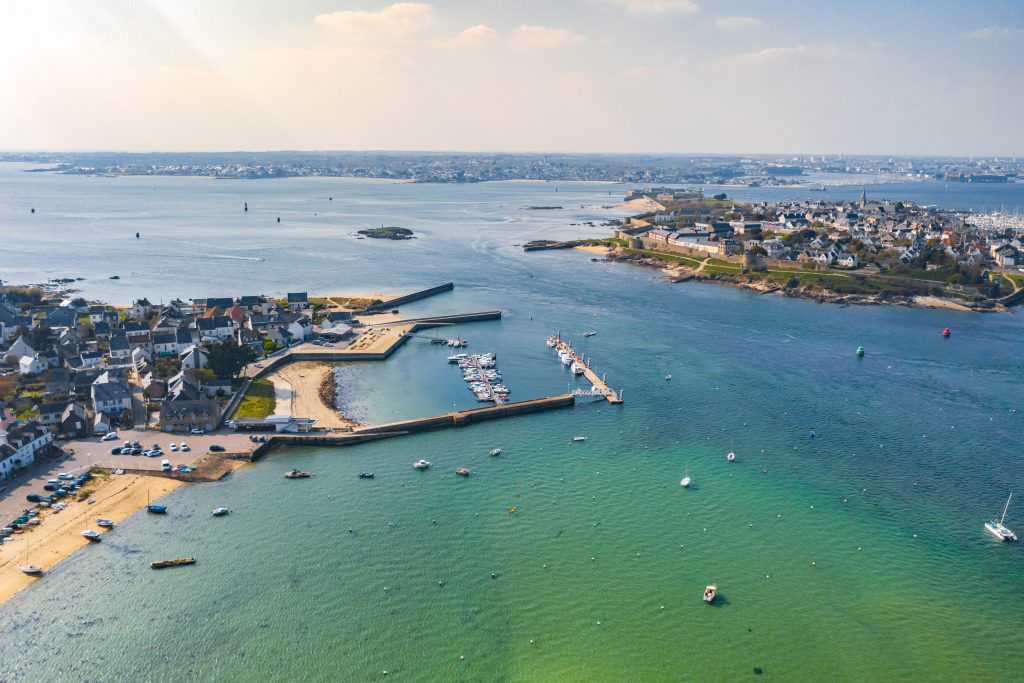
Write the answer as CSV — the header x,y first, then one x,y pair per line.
x,y
1000,530
495,451
590,333
105,523
297,474
366,475
220,512
91,535
709,594
462,471
576,368
579,438
179,562
946,332
731,457
421,465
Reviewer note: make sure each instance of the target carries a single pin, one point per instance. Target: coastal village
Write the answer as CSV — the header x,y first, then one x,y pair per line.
x,y
884,249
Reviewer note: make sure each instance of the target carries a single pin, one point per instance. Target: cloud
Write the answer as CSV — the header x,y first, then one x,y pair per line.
x,y
658,6
396,21
736,23
474,36
777,54
990,32
527,37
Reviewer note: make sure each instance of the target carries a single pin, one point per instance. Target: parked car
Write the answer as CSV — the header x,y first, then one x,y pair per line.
x,y
214,448
184,447
197,430
57,482
165,465
85,476
66,476
174,447
109,436
34,498
117,450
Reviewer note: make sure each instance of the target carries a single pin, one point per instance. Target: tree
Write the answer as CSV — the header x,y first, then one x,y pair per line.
x,y
227,359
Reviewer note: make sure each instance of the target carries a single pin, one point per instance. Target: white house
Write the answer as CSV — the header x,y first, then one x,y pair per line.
x,y
19,446
19,348
301,328
32,365
193,358
218,327
110,398
120,349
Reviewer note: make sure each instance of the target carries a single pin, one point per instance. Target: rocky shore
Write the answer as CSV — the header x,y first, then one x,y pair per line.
x,y
794,289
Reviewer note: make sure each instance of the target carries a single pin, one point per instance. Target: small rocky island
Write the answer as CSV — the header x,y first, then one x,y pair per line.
x,y
388,233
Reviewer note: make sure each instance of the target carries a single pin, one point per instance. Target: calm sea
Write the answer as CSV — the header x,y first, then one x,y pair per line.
x,y
855,554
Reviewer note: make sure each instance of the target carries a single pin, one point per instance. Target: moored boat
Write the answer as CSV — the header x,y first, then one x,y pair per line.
x,y
91,535
366,475
709,594
462,471
157,509
421,464
495,451
731,457
297,474
1000,530
220,512
579,438
105,523
179,562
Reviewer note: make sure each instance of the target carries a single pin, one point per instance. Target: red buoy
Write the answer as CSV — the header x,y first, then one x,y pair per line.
x,y
945,332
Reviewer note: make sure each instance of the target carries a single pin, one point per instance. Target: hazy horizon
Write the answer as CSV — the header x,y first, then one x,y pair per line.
x,y
686,77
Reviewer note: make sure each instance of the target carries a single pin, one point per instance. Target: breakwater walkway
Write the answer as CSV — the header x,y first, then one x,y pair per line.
x,y
414,296
459,418
598,384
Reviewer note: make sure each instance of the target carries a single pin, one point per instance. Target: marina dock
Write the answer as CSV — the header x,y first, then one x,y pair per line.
x,y
598,385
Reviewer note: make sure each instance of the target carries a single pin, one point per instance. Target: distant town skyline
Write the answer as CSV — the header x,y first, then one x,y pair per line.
x,y
601,76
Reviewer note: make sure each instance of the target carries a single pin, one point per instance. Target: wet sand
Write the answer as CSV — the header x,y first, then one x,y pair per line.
x,y
304,379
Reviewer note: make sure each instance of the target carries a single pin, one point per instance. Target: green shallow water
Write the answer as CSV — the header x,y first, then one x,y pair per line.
x,y
889,576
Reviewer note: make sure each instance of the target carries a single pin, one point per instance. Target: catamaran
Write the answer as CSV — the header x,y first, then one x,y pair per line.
x,y
1000,530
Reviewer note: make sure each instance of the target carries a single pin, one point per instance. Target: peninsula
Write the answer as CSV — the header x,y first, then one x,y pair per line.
x,y
860,252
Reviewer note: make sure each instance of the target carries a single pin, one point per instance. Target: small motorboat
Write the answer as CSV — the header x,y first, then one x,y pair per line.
x,y
105,523
590,333
297,474
495,451
31,569
946,332
668,377
157,509
709,594
462,471
731,457
860,351
579,438
421,465
91,535
180,562
366,475
220,512
685,482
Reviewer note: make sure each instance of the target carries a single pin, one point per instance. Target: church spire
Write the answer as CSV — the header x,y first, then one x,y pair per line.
x,y
864,197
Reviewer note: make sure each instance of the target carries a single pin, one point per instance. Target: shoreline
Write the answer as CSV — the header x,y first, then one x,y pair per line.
x,y
675,274
117,497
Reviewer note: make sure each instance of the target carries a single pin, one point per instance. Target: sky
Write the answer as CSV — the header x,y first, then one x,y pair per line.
x,y
900,77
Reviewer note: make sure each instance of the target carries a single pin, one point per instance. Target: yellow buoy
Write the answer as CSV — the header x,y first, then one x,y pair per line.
x,y
511,509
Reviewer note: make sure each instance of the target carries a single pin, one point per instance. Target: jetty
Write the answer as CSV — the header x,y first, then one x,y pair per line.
x,y
409,298
598,385
458,418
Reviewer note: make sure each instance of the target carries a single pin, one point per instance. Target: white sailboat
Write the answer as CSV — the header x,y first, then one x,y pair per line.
x,y
1000,530
30,569
685,481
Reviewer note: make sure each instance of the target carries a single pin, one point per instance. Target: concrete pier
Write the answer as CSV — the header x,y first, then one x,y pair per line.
x,y
600,387
415,296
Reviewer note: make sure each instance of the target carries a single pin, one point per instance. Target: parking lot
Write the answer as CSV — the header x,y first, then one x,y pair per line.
x,y
85,453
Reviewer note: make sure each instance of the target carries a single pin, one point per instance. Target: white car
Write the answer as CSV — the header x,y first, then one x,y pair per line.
x,y
174,447
109,436
66,476
198,430
184,447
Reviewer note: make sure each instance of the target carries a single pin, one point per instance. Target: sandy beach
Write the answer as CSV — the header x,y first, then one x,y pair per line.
x,y
116,498
642,204
304,379
594,249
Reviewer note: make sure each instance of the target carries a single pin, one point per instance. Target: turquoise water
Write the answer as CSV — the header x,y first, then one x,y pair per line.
x,y
858,554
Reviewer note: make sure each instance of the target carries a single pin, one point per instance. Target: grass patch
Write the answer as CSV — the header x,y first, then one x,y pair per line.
x,y
258,402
